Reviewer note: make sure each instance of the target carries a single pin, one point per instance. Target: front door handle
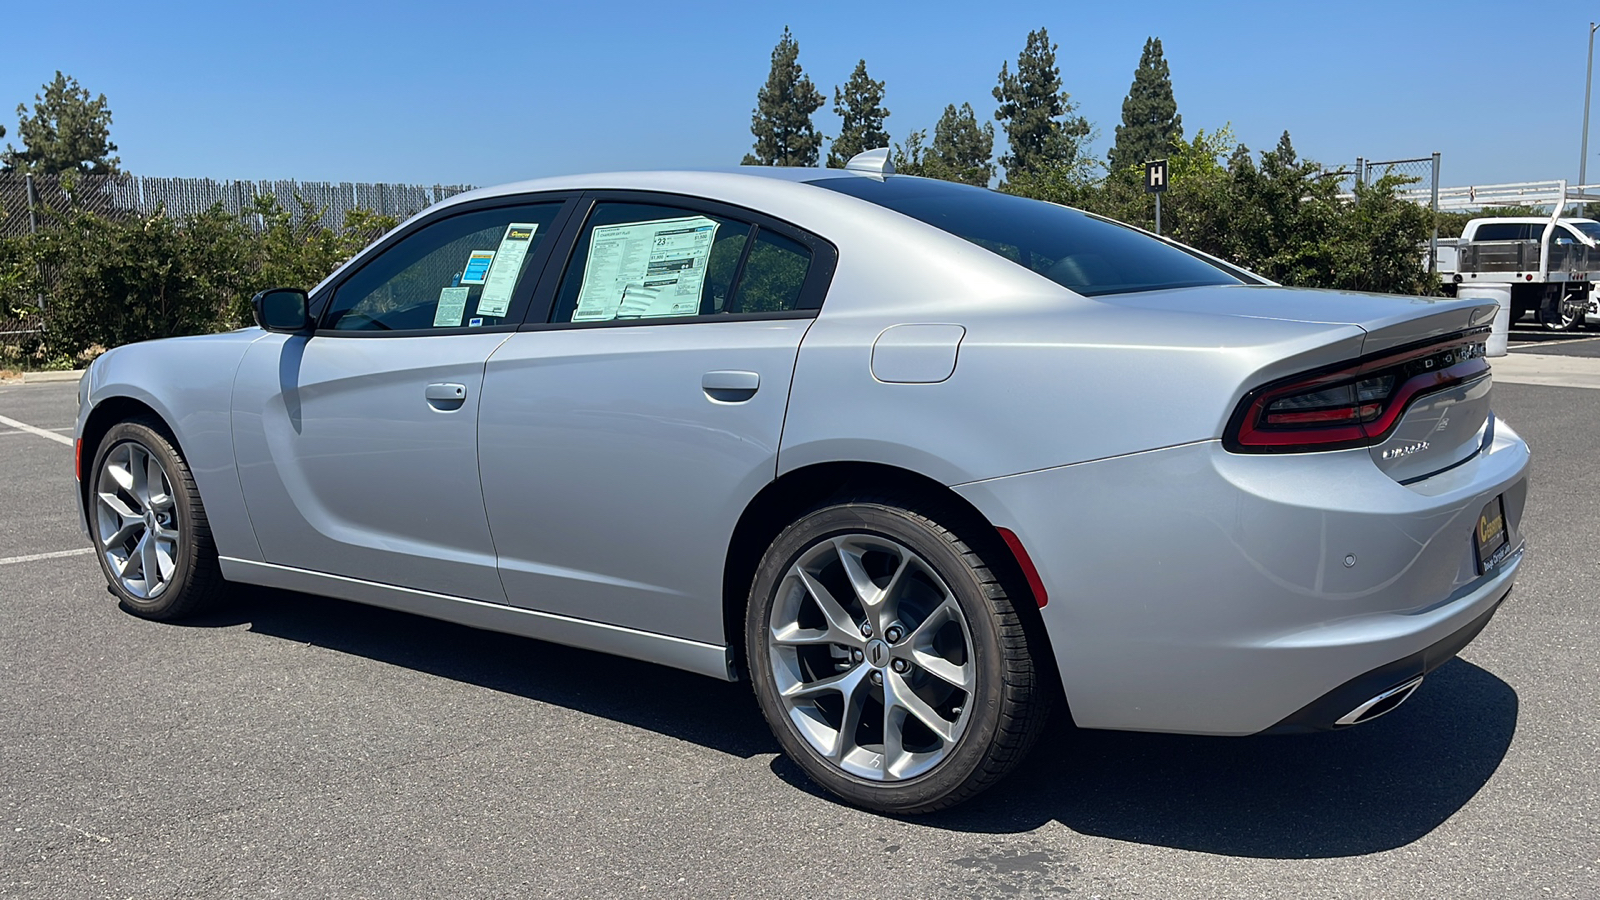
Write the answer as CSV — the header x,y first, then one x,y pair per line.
x,y
445,395
730,385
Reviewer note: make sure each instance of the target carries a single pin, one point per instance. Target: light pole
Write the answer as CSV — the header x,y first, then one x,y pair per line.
x,y
1588,81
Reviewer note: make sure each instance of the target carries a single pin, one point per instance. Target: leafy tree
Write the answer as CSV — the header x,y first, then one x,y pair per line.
x,y
296,250
1375,241
68,132
1037,114
913,157
860,105
781,120
1151,126
1280,218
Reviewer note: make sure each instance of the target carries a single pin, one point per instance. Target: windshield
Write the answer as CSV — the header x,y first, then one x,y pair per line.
x,y
1590,230
1085,253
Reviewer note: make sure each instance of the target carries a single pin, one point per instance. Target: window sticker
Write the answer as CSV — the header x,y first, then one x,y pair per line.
x,y
474,322
505,268
452,306
477,267
645,270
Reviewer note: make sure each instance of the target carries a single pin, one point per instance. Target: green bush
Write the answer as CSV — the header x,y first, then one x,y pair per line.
x,y
115,280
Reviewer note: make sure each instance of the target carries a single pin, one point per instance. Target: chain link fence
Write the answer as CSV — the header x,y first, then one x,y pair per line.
x,y
1422,187
30,203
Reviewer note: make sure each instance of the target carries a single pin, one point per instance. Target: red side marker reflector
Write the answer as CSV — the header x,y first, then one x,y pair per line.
x,y
77,460
1035,583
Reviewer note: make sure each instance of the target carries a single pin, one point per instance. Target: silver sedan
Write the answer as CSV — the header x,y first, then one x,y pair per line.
x,y
921,461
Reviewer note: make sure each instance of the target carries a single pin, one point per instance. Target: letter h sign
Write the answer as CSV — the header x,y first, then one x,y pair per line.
x,y
1155,176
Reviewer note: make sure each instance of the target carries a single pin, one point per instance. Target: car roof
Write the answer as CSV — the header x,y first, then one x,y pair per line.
x,y
683,181
785,194
1525,220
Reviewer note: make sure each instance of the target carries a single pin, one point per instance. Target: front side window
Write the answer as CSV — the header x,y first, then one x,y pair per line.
x,y
463,271
642,262
1087,254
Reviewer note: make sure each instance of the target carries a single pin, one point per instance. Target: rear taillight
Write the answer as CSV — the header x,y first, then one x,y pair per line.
x,y
1353,405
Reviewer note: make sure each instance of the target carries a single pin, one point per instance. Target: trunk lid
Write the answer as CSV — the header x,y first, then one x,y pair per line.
x,y
1439,429
1390,321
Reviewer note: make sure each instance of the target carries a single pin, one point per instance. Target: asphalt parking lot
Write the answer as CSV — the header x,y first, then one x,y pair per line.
x,y
303,747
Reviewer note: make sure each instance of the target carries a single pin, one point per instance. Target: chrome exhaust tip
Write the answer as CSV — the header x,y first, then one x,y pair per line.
x,y
1377,706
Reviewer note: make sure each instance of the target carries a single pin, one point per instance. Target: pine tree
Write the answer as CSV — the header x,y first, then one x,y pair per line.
x,y
1280,161
963,150
68,132
1240,159
859,104
1036,113
781,120
1151,126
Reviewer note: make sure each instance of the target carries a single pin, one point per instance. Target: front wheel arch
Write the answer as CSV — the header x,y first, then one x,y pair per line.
x,y
106,415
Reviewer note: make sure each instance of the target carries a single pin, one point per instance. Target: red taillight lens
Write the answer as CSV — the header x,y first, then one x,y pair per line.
x,y
1350,406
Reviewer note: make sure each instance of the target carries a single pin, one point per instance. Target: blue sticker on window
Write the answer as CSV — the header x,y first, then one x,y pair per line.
x,y
477,267
474,322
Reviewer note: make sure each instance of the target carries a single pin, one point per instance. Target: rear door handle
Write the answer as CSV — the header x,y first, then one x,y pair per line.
x,y
445,395
730,385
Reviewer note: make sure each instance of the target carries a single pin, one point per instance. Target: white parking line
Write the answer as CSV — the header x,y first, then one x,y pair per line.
x,y
14,431
41,432
58,554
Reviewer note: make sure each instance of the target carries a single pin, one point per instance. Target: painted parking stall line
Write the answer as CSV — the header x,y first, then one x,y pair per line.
x,y
41,432
15,431
35,557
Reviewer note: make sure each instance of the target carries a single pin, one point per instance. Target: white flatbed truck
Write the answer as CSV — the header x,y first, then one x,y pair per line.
x,y
1550,262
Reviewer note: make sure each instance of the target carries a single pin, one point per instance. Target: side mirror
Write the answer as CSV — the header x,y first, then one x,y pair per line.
x,y
284,310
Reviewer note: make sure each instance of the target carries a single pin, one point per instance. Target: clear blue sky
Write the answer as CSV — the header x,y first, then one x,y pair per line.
x,y
488,93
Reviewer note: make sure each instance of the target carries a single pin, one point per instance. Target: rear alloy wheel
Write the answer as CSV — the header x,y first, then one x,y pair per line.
x,y
150,531
888,659
1564,317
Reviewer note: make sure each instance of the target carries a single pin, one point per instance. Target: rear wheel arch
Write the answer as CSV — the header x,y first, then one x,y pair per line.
x,y
793,494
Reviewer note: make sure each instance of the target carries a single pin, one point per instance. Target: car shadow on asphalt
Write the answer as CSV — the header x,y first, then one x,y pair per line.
x,y
1373,788
1380,786
715,714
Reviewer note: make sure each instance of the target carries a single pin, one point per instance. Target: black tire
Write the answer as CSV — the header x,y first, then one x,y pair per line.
x,y
1009,701
195,582
1559,319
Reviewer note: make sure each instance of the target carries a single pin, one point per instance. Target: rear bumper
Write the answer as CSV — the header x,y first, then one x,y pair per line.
x,y
1197,591
1335,709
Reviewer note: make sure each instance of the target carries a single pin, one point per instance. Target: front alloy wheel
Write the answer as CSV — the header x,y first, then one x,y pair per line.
x,y
888,658
150,530
138,527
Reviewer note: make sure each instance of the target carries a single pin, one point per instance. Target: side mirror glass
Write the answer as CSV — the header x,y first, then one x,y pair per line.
x,y
284,310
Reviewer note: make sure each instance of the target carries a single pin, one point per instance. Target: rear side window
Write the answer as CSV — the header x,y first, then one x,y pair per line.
x,y
1085,253
1501,231
643,262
